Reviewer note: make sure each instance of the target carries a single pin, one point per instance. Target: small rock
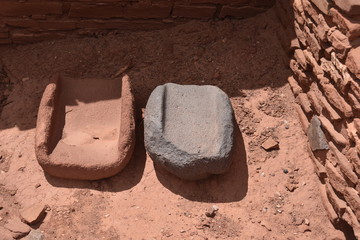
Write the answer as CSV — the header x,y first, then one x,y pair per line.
x,y
35,235
270,144
265,224
17,228
306,222
37,185
212,211
291,187
33,213
285,171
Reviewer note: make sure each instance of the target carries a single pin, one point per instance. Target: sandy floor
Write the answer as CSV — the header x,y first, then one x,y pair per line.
x,y
265,195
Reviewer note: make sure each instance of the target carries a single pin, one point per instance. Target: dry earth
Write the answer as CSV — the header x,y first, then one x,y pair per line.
x,y
265,195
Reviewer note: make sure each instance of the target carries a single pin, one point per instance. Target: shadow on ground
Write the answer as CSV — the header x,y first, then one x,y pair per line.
x,y
231,54
229,187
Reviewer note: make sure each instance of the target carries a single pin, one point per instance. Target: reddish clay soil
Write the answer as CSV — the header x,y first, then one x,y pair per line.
x,y
265,195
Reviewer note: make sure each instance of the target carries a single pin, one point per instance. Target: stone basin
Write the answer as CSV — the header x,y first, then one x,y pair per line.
x,y
85,127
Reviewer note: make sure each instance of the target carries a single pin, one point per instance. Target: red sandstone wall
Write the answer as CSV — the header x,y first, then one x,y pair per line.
x,y
323,39
32,20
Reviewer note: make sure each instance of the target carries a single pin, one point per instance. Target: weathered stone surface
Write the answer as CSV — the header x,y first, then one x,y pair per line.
x,y
350,27
338,204
35,235
311,10
323,5
351,7
333,217
316,136
335,98
300,58
189,130
33,214
335,178
302,118
315,102
270,144
353,61
333,115
17,228
300,34
89,141
345,166
338,138
339,41
351,219
353,199
304,102
296,89
311,61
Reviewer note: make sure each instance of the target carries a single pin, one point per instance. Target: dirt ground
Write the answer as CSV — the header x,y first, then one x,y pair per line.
x,y
265,195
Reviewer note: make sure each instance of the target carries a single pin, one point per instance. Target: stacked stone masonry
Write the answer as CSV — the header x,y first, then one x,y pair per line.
x,y
35,20
322,39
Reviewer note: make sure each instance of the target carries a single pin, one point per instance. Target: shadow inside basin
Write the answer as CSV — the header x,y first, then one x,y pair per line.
x,y
87,115
231,186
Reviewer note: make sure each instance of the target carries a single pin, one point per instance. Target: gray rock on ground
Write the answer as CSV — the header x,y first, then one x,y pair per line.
x,y
35,235
316,136
189,130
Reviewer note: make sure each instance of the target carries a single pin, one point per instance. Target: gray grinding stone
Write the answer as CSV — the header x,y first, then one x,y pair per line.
x,y
189,130
316,136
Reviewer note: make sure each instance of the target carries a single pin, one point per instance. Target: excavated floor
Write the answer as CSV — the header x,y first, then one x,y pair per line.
x,y
266,195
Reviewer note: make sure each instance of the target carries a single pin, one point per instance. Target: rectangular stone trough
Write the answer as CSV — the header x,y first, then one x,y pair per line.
x,y
85,128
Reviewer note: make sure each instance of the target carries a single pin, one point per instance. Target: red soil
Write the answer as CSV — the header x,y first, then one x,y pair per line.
x,y
274,196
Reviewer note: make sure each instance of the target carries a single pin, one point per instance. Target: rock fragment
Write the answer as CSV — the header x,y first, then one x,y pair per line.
x,y
316,136
35,235
212,211
270,144
17,228
34,213
189,130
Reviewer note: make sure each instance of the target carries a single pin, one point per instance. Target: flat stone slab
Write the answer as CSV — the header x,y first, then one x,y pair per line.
x,y
85,128
316,136
189,130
